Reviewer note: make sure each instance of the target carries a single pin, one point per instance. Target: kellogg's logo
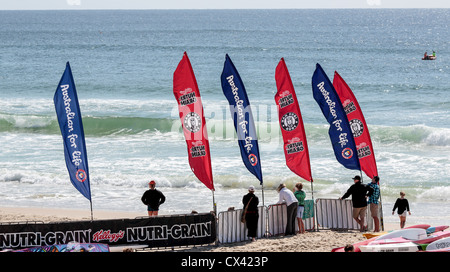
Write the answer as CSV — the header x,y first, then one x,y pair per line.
x,y
107,235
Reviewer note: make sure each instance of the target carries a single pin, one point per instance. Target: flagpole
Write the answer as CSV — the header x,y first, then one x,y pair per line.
x,y
92,214
381,210
214,204
314,206
262,188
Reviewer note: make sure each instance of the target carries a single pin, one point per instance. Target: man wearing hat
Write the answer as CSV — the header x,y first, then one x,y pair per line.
x,y
288,197
153,198
359,193
251,202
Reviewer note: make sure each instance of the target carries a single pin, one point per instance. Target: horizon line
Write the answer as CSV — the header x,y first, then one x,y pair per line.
x,y
144,9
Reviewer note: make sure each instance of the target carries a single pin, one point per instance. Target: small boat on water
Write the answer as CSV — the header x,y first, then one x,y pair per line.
x,y
428,57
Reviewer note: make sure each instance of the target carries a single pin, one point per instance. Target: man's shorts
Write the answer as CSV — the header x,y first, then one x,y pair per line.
x,y
359,212
374,209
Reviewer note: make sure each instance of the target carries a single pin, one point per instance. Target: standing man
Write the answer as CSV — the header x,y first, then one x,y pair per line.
x,y
153,198
288,197
373,202
359,193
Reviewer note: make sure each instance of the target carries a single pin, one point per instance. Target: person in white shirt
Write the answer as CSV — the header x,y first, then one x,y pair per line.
x,y
288,197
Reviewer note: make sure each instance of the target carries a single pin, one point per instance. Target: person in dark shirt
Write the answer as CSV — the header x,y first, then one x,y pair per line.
x,y
403,206
153,198
359,193
251,213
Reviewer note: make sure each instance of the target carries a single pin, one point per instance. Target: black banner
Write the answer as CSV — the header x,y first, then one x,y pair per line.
x,y
159,231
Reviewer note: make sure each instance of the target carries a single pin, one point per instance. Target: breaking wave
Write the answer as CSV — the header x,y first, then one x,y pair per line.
x,y
414,134
218,128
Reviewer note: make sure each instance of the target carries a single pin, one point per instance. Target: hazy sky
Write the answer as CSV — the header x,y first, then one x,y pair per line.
x,y
217,4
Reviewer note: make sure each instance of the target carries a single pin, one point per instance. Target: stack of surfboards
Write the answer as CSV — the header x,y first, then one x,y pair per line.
x,y
441,245
407,240
411,239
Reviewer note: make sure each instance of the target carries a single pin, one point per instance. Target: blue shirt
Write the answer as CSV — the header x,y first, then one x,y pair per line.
x,y
376,193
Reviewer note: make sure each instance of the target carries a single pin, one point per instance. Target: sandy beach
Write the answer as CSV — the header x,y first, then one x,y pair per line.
x,y
318,241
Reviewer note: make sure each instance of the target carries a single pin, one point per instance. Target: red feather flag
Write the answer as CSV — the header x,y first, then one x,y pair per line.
x,y
190,108
295,145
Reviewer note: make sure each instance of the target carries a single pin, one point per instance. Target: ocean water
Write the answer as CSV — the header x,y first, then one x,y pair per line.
x,y
123,64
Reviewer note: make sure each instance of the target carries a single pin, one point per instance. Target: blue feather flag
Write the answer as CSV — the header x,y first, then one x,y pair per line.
x,y
234,90
71,125
341,135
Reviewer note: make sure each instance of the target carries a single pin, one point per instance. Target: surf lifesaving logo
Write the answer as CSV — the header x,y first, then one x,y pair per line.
x,y
347,153
253,159
81,175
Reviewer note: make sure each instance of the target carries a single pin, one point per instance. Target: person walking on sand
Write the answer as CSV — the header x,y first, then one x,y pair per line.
x,y
403,207
300,195
359,193
373,202
288,197
251,202
153,198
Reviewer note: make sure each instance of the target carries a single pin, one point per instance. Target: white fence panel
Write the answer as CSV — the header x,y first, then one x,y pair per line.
x,y
230,229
